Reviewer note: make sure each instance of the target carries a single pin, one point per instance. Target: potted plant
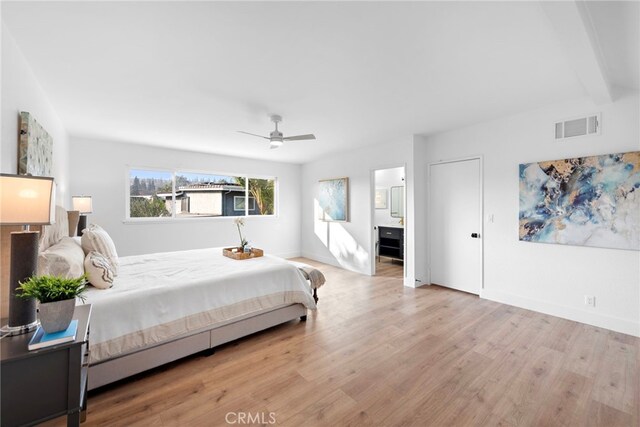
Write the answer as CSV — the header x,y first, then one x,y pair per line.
x,y
57,297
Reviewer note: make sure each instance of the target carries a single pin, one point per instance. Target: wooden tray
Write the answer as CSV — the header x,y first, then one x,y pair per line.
x,y
255,253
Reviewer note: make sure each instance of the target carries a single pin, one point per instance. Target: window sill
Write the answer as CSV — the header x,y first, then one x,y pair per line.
x,y
132,221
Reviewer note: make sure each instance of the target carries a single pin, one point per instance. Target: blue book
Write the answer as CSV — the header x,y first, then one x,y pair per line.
x,y
41,339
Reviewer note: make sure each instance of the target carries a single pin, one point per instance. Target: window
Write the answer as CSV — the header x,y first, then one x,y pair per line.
x,y
238,203
179,194
263,190
147,194
199,194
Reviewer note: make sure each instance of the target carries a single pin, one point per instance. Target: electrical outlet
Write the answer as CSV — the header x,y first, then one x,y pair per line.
x,y
590,300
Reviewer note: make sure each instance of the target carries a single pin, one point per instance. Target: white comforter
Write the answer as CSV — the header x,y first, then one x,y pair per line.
x,y
159,296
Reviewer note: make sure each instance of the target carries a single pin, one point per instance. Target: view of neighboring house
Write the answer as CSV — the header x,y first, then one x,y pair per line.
x,y
172,194
210,199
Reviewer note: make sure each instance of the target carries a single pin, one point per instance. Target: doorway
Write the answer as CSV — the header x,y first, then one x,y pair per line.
x,y
455,212
388,219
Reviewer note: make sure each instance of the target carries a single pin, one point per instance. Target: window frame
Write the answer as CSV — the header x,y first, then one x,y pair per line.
x,y
249,208
176,171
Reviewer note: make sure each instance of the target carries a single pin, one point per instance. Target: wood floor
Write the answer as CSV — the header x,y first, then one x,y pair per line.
x,y
388,267
376,353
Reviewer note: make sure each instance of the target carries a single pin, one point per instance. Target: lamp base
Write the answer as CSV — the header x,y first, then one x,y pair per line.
x,y
11,331
82,224
24,264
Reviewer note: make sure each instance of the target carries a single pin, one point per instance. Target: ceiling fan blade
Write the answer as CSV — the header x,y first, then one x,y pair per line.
x,y
253,134
299,137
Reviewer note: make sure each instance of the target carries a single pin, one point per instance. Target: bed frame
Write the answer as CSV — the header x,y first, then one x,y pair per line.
x,y
207,338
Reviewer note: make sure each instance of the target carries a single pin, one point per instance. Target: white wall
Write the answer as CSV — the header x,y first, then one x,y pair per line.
x,y
349,244
549,278
100,170
385,179
22,92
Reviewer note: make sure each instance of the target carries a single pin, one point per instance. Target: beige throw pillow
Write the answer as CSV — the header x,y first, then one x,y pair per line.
x,y
52,234
99,270
95,238
65,259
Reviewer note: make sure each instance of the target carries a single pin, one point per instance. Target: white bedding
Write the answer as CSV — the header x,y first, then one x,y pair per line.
x,y
159,296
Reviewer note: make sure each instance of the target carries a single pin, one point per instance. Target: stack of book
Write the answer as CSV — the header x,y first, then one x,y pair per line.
x,y
41,339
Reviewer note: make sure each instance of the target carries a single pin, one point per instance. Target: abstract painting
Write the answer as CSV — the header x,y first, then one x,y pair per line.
x,y
333,198
35,148
585,201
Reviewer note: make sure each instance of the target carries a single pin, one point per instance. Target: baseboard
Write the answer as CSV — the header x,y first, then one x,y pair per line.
x,y
331,261
288,255
413,283
322,259
613,323
407,281
410,283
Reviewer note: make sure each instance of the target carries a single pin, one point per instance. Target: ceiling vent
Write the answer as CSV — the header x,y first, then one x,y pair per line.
x,y
579,126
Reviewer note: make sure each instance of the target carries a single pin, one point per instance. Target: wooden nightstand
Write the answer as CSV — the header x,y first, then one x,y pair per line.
x,y
47,383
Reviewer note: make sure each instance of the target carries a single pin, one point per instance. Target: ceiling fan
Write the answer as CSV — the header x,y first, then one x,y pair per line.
x,y
276,138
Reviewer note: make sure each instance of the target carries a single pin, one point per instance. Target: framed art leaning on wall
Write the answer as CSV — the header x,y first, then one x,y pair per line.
x,y
333,200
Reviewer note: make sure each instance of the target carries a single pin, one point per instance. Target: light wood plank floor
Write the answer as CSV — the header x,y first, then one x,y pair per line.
x,y
376,353
387,267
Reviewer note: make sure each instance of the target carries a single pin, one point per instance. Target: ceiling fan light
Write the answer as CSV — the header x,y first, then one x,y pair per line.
x,y
276,143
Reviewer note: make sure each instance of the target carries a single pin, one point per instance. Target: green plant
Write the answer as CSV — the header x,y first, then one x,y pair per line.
x,y
148,208
262,191
51,288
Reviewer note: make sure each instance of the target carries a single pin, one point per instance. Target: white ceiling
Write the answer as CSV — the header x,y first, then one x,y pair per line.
x,y
618,32
190,74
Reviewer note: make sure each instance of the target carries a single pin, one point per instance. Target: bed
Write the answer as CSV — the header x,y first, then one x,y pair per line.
x,y
166,306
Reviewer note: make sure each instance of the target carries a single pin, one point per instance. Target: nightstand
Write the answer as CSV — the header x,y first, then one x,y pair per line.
x,y
391,242
43,384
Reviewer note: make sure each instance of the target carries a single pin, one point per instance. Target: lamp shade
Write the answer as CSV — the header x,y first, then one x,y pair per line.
x,y
82,204
26,200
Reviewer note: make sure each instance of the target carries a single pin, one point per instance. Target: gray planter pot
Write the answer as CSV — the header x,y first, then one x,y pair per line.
x,y
56,316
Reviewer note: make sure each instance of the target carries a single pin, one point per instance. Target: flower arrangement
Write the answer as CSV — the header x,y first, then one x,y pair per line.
x,y
239,222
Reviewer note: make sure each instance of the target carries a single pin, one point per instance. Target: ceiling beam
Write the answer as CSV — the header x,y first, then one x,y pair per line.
x,y
575,31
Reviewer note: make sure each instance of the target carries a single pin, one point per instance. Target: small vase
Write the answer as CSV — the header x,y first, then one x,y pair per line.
x,y
56,316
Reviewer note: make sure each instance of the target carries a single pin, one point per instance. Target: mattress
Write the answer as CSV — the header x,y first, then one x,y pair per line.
x,y
163,296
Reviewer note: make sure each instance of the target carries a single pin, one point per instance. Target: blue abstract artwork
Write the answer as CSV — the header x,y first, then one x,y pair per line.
x,y
333,198
585,201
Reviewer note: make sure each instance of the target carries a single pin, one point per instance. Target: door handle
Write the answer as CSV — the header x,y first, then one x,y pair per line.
x,y
475,235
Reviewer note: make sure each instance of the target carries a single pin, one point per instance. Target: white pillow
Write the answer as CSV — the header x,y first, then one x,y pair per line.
x,y
52,234
99,270
95,238
64,259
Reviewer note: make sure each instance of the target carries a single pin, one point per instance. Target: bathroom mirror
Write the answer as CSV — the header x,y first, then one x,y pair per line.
x,y
397,202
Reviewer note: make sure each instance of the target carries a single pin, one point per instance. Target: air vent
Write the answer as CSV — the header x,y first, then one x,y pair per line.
x,y
579,126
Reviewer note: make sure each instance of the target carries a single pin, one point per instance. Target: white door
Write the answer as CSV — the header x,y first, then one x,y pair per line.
x,y
455,222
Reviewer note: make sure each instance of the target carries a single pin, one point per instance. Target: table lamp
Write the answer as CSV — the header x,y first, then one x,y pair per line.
x,y
84,206
24,200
